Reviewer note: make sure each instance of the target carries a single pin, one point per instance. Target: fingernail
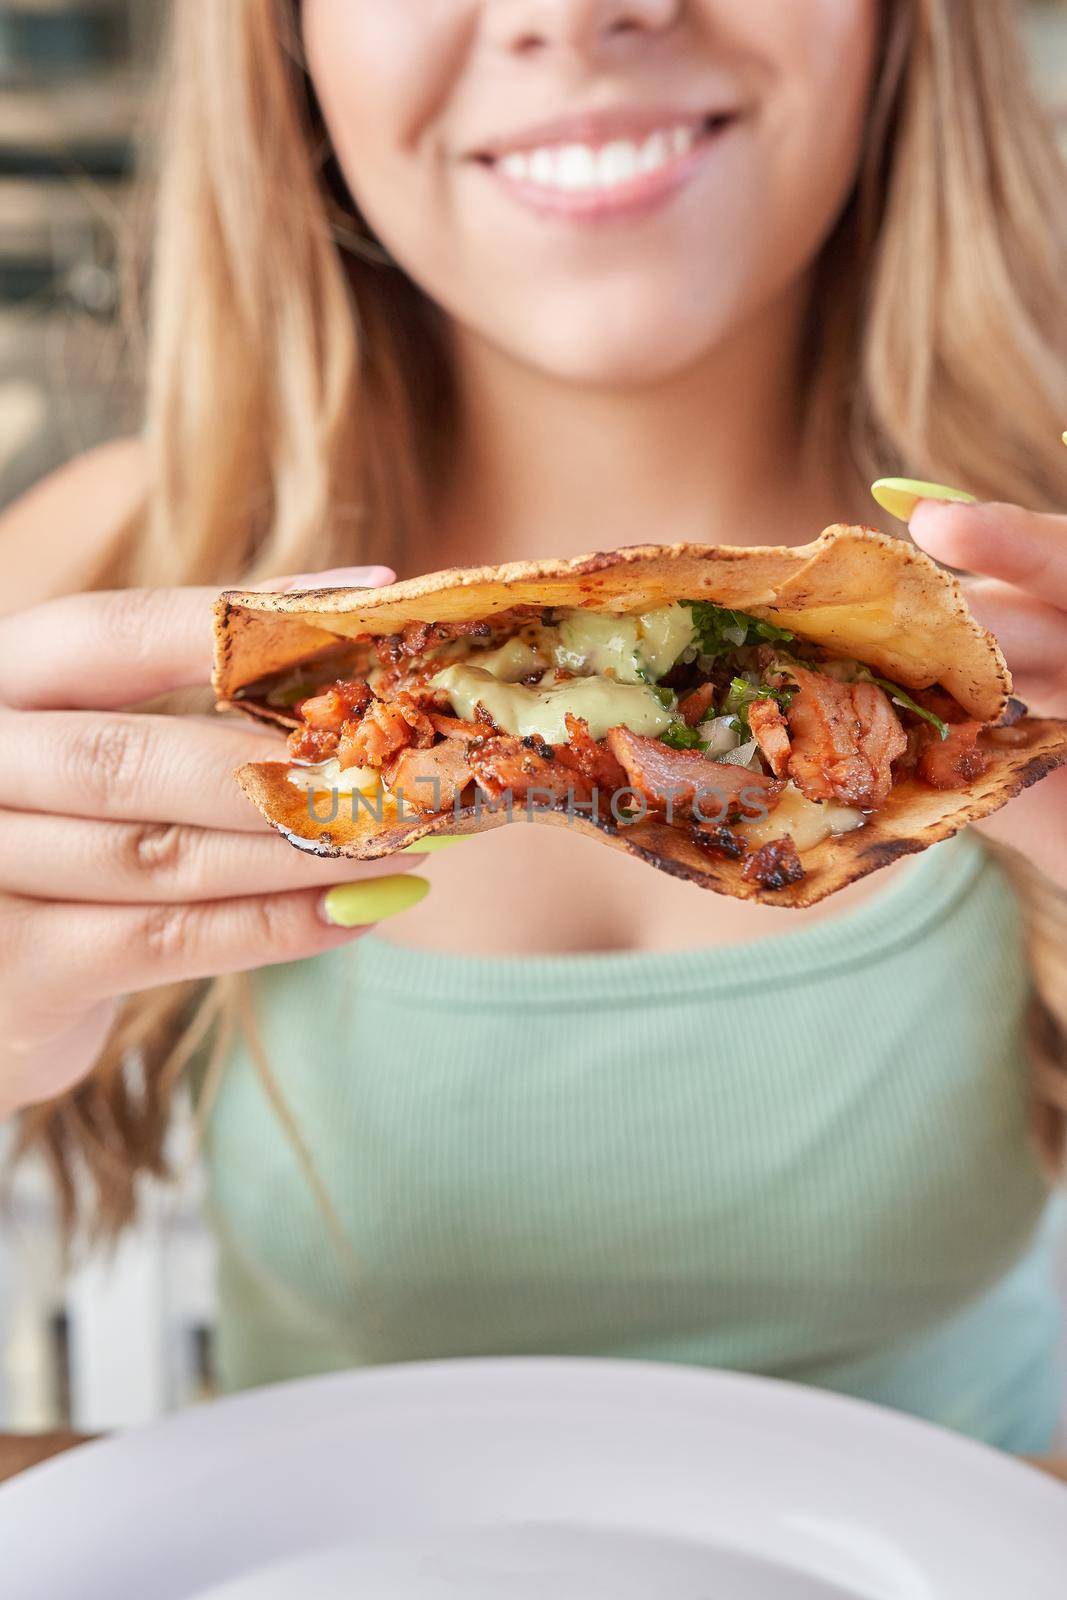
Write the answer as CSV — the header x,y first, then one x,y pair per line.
x,y
439,841
900,496
355,905
342,578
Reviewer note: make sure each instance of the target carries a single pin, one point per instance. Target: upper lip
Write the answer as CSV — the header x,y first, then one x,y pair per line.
x,y
599,127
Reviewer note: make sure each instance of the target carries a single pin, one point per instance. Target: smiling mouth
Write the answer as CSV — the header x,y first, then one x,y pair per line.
x,y
601,169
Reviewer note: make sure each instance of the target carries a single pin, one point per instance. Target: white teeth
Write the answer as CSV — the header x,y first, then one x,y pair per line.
x,y
617,163
655,152
581,168
542,167
515,166
575,167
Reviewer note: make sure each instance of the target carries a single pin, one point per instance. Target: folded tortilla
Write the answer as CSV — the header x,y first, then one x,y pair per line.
x,y
857,592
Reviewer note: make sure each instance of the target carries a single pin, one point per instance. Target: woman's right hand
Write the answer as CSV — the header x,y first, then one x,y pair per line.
x,y
129,857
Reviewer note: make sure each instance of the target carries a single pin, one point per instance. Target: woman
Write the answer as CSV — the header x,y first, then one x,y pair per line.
x,y
614,270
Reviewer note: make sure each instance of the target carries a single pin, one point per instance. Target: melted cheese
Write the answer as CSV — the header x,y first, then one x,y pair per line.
x,y
512,661
808,821
327,775
604,703
628,648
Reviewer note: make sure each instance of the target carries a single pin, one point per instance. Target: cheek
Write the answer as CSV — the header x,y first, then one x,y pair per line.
x,y
820,55
381,73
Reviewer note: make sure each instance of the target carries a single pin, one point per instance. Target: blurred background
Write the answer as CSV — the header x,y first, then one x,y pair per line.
x,y
75,81
122,1337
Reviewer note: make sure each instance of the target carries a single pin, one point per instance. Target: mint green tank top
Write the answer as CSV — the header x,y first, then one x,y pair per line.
x,y
807,1156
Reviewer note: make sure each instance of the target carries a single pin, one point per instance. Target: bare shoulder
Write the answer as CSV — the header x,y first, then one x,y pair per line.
x,y
53,537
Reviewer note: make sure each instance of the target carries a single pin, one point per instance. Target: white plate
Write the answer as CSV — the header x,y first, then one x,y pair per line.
x,y
564,1480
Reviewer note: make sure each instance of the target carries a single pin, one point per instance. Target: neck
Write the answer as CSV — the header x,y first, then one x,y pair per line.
x,y
711,454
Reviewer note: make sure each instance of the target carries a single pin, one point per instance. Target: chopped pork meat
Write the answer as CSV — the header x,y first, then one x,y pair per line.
x,y
680,782
323,717
385,729
456,727
590,761
771,732
431,779
881,739
312,744
693,708
505,764
843,738
775,864
953,762
527,767
418,637
330,709
718,838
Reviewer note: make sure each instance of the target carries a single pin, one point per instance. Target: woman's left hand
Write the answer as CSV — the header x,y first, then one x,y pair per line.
x,y
1018,592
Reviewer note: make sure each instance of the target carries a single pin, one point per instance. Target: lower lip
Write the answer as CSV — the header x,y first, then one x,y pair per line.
x,y
644,193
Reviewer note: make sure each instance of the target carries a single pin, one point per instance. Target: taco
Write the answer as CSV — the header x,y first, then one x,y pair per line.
x,y
770,723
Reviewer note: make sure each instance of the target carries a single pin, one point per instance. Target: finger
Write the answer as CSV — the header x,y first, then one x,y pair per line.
x,y
108,650
1027,548
71,960
331,578
1032,635
131,768
73,859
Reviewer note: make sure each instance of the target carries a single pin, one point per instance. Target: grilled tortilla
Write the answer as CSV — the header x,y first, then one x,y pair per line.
x,y
837,701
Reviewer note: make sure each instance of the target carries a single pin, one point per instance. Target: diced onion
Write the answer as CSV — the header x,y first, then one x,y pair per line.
x,y
721,736
743,756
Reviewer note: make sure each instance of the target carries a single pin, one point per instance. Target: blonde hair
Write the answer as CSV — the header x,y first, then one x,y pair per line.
x,y
298,383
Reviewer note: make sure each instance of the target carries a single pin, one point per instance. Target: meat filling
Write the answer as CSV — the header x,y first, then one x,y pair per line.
x,y
771,732
843,740
955,761
837,738
774,865
431,779
682,783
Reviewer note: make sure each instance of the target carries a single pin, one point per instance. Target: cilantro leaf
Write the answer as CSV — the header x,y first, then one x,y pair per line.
x,y
681,737
898,696
720,630
742,695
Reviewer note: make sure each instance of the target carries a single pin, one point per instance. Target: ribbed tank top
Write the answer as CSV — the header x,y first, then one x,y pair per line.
x,y
807,1156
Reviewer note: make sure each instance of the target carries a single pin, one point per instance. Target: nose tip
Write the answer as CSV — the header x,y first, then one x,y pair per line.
x,y
537,24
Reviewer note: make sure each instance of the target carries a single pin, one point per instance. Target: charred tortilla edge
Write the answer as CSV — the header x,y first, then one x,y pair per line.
x,y
915,817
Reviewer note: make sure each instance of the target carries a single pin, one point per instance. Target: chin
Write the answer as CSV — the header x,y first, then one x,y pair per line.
x,y
594,341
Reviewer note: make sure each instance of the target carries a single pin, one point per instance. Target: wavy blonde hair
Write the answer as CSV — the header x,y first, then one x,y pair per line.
x,y
297,383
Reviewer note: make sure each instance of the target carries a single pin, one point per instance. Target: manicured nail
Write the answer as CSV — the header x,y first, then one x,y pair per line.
x,y
900,496
356,905
439,841
342,578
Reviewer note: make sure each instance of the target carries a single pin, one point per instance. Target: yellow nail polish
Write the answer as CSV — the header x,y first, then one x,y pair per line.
x,y
900,496
355,905
438,841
